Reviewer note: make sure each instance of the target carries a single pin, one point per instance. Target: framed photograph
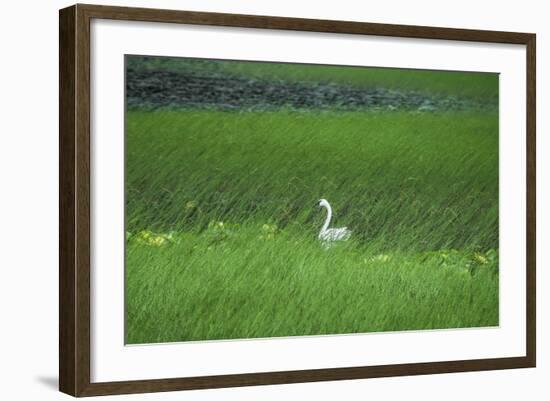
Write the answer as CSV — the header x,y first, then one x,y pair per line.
x,y
250,200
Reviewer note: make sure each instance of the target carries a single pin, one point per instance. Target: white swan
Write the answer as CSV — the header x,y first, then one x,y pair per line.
x,y
329,235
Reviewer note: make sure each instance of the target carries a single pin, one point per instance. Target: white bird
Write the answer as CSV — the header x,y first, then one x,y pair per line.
x,y
330,235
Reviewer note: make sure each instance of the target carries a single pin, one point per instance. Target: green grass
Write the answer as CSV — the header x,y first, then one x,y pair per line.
x,y
246,286
416,180
454,83
222,225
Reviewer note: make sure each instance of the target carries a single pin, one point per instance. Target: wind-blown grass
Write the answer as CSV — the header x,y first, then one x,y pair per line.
x,y
423,181
222,225
246,285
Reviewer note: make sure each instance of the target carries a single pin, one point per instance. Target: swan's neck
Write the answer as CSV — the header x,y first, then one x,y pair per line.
x,y
327,221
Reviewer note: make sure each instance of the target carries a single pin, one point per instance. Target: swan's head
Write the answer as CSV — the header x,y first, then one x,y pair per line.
x,y
323,203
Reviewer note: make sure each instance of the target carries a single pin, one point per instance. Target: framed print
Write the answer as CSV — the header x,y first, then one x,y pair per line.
x,y
250,200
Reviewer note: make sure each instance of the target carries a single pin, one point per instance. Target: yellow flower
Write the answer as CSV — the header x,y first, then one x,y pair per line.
x,y
158,241
145,234
216,225
148,238
480,258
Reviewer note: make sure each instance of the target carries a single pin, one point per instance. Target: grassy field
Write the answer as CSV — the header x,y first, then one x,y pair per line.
x,y
221,223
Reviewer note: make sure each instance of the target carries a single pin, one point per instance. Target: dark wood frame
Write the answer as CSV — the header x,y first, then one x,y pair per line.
x,y
74,204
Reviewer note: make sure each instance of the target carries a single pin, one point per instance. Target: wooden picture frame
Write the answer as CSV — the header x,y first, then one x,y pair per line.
x,y
74,206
